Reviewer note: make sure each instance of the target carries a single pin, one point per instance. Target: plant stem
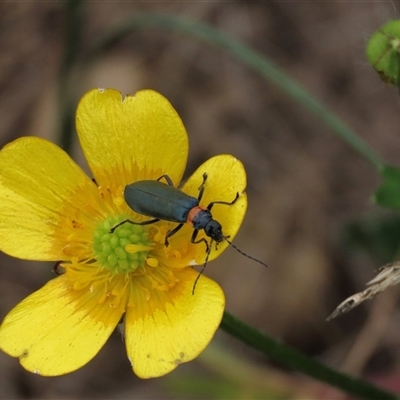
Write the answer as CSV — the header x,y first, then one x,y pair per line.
x,y
73,25
291,358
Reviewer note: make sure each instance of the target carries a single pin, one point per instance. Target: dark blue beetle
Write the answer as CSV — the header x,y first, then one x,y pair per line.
x,y
165,202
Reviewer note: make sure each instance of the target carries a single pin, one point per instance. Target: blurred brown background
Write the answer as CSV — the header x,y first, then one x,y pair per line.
x,y
304,184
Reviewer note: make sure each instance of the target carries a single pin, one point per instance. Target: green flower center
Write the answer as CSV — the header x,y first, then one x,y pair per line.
x,y
124,250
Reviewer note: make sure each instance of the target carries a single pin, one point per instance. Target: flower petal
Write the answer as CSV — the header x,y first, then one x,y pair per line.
x,y
161,334
133,138
39,191
57,330
226,177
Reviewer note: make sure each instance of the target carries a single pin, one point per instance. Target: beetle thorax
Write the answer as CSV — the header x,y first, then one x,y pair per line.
x,y
198,217
201,218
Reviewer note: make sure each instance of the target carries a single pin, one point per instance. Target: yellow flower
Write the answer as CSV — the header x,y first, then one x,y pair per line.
x,y
50,210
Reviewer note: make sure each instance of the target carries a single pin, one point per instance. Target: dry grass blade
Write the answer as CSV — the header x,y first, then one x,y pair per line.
x,y
389,275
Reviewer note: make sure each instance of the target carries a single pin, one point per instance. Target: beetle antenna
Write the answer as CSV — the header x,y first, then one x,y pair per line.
x,y
208,255
203,267
243,253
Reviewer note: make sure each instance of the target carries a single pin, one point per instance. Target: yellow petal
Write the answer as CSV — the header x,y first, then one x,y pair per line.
x,y
56,330
161,334
133,138
38,184
226,177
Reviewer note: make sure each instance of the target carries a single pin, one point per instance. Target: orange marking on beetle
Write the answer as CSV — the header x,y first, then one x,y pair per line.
x,y
193,213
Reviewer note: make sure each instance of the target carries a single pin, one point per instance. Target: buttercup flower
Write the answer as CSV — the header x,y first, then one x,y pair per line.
x,y
51,210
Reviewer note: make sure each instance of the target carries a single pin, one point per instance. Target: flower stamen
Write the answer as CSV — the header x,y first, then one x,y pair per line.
x,y
122,251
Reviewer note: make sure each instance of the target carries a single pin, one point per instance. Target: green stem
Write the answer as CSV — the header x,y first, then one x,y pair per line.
x,y
300,362
73,25
253,59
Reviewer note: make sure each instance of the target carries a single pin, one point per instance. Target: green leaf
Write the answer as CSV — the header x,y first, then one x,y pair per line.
x,y
383,52
388,194
378,237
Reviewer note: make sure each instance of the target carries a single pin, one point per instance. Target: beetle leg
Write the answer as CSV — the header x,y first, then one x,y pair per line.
x,y
150,221
167,178
193,240
172,232
227,203
201,187
57,268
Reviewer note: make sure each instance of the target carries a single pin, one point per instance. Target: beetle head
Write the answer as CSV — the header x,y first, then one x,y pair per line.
x,y
213,229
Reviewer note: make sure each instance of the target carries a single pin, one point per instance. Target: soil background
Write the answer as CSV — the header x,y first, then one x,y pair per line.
x,y
305,185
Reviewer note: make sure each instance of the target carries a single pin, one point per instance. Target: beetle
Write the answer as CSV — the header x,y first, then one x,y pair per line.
x,y
164,201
